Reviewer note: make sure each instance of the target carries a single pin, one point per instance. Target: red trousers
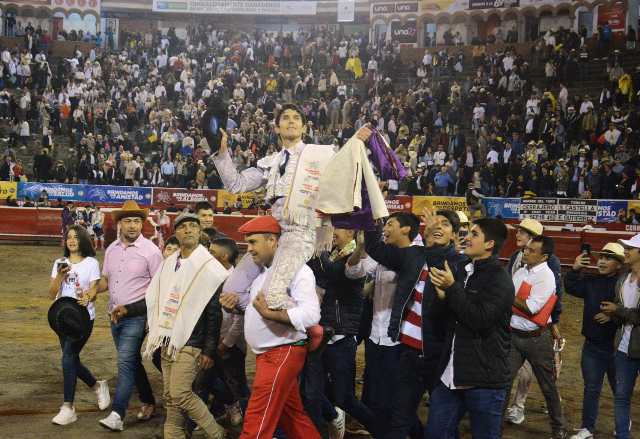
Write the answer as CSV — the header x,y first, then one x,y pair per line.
x,y
275,400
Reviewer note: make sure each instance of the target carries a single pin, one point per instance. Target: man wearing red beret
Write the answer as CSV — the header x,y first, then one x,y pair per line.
x,y
279,340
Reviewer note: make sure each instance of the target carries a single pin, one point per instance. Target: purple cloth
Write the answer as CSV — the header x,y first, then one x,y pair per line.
x,y
384,159
359,220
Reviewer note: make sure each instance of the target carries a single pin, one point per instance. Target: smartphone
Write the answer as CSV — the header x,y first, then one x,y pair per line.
x,y
586,248
63,264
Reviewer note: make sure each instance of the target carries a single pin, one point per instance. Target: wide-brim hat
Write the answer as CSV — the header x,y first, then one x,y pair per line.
x,y
464,219
69,319
531,226
129,208
613,250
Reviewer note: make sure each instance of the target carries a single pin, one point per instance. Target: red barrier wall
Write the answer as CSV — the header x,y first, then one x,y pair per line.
x,y
44,224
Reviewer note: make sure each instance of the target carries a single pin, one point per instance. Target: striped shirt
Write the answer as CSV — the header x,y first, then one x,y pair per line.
x,y
411,326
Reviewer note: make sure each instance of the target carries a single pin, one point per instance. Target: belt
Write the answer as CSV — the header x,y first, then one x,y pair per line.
x,y
528,334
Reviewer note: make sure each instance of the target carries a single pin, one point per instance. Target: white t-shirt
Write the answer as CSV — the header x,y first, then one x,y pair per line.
x,y
630,300
82,273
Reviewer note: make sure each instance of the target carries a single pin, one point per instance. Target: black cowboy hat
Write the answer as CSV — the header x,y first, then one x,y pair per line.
x,y
69,319
213,119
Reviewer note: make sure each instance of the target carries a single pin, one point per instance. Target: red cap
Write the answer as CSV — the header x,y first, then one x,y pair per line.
x,y
261,224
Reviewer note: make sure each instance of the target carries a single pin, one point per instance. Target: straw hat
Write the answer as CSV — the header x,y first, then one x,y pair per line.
x,y
613,250
530,226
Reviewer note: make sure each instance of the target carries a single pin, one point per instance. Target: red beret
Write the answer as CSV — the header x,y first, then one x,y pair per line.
x,y
261,224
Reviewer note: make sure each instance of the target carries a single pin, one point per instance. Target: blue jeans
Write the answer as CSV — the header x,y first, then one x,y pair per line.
x,y
626,374
595,362
413,376
441,191
72,368
449,406
381,364
128,335
83,181
339,361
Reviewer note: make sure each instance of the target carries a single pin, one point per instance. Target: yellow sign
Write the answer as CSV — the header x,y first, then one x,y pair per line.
x,y
8,189
434,6
440,203
634,205
246,198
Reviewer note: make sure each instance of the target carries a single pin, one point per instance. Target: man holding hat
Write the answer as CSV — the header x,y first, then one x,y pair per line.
x,y
184,319
129,265
598,329
528,229
278,339
625,313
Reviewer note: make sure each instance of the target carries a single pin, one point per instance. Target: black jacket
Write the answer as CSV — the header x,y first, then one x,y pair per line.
x,y
408,263
206,333
342,301
594,290
478,314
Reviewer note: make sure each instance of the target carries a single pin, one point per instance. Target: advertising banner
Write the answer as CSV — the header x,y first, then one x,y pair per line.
x,y
383,8
406,33
346,10
616,18
237,7
507,208
246,198
608,210
493,4
68,192
435,6
577,210
399,203
407,7
437,203
8,189
183,197
118,194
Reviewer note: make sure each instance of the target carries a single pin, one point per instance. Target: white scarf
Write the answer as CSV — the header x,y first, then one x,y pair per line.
x,y
176,299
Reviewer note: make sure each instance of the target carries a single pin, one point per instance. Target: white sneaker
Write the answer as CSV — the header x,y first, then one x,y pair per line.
x,y
112,422
104,399
582,433
233,414
336,427
66,416
516,416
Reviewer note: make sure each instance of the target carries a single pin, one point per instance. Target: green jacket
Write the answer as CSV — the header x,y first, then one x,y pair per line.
x,y
625,316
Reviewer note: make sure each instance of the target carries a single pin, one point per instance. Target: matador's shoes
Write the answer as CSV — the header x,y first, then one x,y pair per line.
x,y
318,338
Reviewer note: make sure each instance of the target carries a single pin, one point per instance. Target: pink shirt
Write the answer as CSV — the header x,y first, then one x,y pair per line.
x,y
130,270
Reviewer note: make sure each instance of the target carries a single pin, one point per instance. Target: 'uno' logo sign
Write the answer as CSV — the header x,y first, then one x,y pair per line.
x,y
405,32
407,7
385,8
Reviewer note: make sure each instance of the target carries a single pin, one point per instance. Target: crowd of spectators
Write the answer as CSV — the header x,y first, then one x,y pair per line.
x,y
132,115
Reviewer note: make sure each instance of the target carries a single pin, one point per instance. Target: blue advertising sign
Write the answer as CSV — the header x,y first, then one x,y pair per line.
x,y
507,208
608,210
68,192
118,194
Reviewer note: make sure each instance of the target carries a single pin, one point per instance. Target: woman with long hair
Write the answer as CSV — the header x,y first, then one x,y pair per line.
x,y
76,272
